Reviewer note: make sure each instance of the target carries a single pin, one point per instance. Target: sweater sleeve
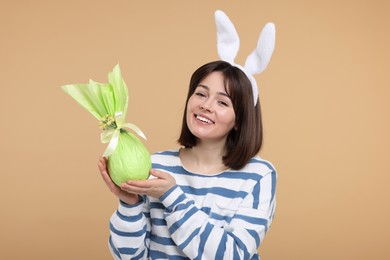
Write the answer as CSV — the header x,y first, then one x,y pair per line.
x,y
198,238
129,229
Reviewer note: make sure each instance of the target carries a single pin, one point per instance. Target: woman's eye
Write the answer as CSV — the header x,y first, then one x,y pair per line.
x,y
200,94
223,103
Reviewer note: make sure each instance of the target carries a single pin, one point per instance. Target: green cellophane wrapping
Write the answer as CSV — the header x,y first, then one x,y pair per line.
x,y
129,159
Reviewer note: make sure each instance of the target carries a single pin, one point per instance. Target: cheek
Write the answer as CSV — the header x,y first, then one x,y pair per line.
x,y
191,104
188,112
229,118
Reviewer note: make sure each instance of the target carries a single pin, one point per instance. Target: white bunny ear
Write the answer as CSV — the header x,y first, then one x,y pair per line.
x,y
258,60
228,42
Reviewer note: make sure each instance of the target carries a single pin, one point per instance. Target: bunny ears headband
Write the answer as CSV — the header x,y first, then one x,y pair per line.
x,y
228,44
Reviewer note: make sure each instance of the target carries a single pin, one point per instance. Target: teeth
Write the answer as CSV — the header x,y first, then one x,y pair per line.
x,y
204,119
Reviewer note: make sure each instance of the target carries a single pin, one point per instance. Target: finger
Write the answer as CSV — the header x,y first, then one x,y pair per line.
x,y
102,164
105,176
107,179
158,174
132,189
110,184
139,183
104,173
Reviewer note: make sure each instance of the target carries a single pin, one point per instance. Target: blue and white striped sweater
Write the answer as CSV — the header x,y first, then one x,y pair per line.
x,y
220,216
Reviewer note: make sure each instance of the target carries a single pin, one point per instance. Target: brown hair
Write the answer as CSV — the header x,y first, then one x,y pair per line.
x,y
245,140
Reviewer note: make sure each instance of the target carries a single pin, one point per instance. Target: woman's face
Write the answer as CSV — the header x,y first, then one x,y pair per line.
x,y
210,113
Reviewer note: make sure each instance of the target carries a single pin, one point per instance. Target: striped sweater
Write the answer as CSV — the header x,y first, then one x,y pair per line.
x,y
220,216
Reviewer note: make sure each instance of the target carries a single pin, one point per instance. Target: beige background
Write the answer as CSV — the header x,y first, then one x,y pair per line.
x,y
325,99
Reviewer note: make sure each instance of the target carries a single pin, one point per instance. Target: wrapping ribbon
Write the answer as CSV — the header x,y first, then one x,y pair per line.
x,y
111,136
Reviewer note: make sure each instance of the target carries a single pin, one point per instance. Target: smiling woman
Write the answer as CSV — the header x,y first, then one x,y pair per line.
x,y
215,190
214,198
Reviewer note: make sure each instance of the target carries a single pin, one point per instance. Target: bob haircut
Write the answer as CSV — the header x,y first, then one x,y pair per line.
x,y
245,140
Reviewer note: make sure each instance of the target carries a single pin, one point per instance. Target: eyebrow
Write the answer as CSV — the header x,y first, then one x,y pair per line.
x,y
220,93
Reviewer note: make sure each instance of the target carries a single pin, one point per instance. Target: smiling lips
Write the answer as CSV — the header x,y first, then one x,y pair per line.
x,y
204,119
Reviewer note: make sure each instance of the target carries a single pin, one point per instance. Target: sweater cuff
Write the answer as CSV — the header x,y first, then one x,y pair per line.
x,y
172,198
129,210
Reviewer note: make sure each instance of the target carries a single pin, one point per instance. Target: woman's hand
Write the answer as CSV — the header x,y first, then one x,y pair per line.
x,y
154,187
124,196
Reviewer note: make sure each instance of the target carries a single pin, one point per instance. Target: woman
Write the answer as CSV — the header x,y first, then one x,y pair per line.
x,y
212,199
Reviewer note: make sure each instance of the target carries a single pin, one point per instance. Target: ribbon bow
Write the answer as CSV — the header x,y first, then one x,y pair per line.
x,y
111,135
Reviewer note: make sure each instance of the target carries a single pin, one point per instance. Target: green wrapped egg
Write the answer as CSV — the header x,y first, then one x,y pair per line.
x,y
128,158
130,161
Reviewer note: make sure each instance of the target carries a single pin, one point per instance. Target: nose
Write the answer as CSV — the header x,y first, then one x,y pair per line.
x,y
207,105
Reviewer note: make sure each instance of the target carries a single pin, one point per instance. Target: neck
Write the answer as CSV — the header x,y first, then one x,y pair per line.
x,y
205,157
